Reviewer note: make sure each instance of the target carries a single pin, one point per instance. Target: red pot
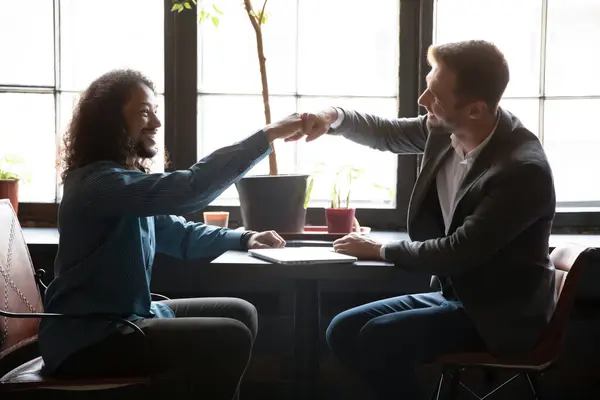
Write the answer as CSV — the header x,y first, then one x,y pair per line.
x,y
9,189
340,220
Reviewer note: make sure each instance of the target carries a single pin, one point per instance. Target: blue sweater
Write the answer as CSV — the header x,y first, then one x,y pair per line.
x,y
112,221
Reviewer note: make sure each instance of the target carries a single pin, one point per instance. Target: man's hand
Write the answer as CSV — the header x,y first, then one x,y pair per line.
x,y
359,246
265,240
315,125
291,125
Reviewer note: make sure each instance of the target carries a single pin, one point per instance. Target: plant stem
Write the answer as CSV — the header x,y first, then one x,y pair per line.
x,y
256,21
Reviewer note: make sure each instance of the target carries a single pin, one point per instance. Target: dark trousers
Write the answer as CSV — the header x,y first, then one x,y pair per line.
x,y
385,340
208,346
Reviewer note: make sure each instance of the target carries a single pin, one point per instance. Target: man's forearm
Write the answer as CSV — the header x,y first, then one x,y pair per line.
x,y
401,136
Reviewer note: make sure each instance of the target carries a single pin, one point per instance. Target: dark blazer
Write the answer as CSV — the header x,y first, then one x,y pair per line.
x,y
495,255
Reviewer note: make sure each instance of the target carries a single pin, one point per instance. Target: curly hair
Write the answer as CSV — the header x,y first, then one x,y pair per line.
x,y
97,131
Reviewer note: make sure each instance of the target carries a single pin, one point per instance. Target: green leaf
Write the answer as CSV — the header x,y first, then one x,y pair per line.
x,y
264,18
311,182
215,21
187,5
217,10
177,7
203,15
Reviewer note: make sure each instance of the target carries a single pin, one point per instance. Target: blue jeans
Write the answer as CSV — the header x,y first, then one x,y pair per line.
x,y
385,340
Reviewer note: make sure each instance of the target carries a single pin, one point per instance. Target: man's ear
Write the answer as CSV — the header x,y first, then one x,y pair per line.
x,y
477,110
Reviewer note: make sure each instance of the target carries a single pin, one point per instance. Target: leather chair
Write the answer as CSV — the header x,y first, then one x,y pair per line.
x,y
21,309
569,260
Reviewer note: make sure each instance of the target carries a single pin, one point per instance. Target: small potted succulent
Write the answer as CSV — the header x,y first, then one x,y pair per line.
x,y
9,180
340,217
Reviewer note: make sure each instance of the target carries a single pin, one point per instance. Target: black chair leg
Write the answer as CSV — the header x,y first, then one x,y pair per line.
x,y
534,386
437,390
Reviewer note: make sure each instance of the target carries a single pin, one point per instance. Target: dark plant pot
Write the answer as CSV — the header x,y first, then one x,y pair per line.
x,y
273,202
340,220
9,189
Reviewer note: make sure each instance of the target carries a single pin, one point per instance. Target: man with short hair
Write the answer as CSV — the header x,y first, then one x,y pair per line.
x,y
479,222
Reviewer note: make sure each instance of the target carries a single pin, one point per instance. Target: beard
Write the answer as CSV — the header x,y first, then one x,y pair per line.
x,y
145,148
438,126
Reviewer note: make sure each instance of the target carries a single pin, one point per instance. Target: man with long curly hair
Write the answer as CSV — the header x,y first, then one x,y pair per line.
x,y
114,216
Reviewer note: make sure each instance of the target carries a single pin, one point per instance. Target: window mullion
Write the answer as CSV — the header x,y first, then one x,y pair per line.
x,y
57,85
543,49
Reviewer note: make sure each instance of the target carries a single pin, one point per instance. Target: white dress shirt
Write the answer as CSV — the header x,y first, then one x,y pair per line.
x,y
451,174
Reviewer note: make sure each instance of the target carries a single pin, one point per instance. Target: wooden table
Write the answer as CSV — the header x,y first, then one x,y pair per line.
x,y
306,317
306,279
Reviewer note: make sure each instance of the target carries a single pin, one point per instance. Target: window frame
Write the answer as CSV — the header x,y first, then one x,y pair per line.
x,y
180,124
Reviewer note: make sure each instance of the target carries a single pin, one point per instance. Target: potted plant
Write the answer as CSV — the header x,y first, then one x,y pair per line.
x,y
273,201
9,180
340,217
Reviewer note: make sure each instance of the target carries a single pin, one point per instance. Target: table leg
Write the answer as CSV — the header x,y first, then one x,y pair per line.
x,y
306,339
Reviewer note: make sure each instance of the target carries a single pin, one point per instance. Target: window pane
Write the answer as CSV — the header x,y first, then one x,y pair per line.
x,y
27,130
527,110
27,43
223,120
348,47
379,169
520,42
572,145
134,39
572,44
228,61
67,103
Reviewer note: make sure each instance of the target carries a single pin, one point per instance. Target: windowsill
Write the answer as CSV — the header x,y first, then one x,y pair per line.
x,y
44,237
316,204
568,220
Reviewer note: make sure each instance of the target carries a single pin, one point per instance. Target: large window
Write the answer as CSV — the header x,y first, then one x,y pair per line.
x,y
314,60
52,50
319,53
551,47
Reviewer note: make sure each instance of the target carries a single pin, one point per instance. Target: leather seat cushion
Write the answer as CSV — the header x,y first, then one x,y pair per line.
x,y
29,376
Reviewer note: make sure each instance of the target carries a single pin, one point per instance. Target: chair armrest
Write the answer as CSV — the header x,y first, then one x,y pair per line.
x,y
39,276
78,316
156,296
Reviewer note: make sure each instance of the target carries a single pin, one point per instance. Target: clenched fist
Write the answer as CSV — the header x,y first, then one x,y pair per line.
x,y
291,125
315,124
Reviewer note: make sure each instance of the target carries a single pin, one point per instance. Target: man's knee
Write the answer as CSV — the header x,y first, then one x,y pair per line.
x,y
342,332
380,342
236,345
246,312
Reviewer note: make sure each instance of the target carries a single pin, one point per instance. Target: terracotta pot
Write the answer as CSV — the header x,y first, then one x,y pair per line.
x,y
340,220
9,189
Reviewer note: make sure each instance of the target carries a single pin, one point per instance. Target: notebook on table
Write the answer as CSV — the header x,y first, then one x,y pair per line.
x,y
302,255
